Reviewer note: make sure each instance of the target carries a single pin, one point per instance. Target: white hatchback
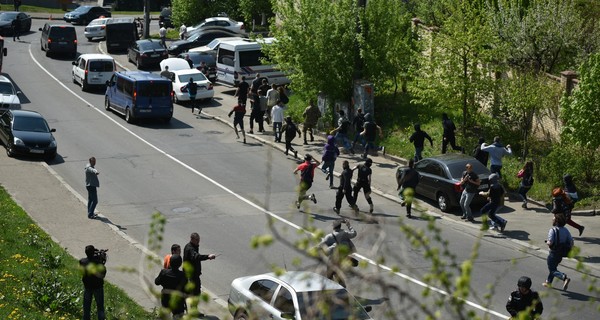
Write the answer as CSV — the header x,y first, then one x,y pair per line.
x,y
93,69
182,77
9,96
96,28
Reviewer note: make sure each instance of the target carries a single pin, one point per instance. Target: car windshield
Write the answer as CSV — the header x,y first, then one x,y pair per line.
x,y
457,168
150,45
30,124
82,9
198,58
341,305
6,88
8,15
184,78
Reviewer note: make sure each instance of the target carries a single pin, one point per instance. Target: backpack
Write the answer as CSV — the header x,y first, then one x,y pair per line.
x,y
306,174
562,248
290,130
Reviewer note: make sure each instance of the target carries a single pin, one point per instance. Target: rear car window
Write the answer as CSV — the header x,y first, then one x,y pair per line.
x,y
184,78
101,66
63,32
150,45
198,58
154,89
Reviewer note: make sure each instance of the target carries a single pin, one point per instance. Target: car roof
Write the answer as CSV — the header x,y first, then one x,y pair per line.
x,y
247,43
141,75
218,19
174,64
451,158
5,79
186,71
304,281
26,113
60,25
96,56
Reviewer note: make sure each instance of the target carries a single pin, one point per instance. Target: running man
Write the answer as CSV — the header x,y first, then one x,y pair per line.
x,y
307,169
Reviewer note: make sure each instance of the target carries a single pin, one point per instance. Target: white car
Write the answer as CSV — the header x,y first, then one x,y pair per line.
x,y
292,295
93,69
212,46
9,97
221,22
182,77
96,28
174,64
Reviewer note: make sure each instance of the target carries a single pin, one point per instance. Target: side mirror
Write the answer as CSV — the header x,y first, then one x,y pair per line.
x,y
74,63
4,52
52,130
368,308
107,83
19,92
40,29
288,315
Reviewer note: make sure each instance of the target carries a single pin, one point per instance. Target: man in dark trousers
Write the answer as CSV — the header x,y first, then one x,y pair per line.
x,y
449,137
407,180
307,173
193,264
93,274
192,90
242,92
16,28
173,282
370,131
290,130
418,139
524,298
345,189
363,181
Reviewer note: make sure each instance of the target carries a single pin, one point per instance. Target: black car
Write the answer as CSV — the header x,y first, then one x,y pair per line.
x,y
7,18
26,133
164,19
441,175
197,59
146,52
85,14
200,38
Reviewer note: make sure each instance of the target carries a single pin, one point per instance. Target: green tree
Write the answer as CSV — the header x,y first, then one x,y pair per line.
x,y
316,44
191,12
453,72
543,35
253,10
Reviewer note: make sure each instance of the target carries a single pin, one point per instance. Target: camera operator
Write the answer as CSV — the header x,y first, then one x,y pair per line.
x,y
93,273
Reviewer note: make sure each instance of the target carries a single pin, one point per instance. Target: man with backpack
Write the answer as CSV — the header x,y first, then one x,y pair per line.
x,y
560,243
289,131
307,172
407,180
562,203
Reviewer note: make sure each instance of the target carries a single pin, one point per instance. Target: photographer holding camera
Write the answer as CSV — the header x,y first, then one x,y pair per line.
x,y
93,273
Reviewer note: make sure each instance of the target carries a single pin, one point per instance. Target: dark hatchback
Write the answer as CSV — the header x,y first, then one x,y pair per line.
x,y
200,38
85,14
441,175
146,52
26,133
209,59
7,18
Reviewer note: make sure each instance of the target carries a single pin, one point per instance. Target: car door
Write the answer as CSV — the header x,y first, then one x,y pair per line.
x,y
430,176
259,306
285,305
5,121
80,70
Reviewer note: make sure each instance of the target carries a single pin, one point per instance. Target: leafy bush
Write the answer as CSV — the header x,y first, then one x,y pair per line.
x,y
51,293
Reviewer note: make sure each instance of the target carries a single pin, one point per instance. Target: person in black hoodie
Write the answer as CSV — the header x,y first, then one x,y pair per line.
x,y
418,139
407,182
330,154
448,135
345,189
290,130
479,154
173,282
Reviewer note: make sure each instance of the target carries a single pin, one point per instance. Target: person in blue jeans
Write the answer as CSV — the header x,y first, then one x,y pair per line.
x,y
497,151
92,184
494,195
470,182
330,154
557,234
341,132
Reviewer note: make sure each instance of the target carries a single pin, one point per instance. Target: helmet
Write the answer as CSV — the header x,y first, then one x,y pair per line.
x,y
524,282
369,162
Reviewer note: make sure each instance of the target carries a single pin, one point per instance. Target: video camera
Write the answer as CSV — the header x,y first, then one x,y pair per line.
x,y
101,255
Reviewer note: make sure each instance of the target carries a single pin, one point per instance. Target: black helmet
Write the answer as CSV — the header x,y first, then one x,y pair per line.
x,y
369,162
524,282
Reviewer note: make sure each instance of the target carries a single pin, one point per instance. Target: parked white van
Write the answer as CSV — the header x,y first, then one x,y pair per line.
x,y
237,58
93,70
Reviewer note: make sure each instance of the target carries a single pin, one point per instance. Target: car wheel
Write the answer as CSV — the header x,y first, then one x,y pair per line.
x,y
175,99
89,38
443,202
73,75
240,315
106,103
138,63
84,86
168,119
128,116
50,157
9,150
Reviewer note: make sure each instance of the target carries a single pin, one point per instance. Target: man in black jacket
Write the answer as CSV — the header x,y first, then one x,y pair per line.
x,y
193,264
448,135
407,182
345,189
173,282
524,299
93,273
418,139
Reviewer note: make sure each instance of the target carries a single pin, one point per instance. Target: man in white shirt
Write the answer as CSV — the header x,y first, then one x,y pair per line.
x,y
272,99
277,116
162,33
182,31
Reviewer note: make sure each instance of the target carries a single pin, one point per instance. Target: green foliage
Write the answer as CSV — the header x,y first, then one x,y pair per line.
x,y
191,12
252,10
316,45
50,293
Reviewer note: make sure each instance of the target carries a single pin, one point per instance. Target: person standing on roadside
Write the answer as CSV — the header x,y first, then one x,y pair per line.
x,y
17,4
479,154
524,299
526,176
262,94
558,237
175,249
92,184
277,116
311,117
290,129
358,122
345,189
494,195
162,33
16,28
470,182
238,112
496,151
307,173
418,139
173,282
449,136
363,181
93,273
242,91
407,180
272,99
193,264
330,154
182,32
338,247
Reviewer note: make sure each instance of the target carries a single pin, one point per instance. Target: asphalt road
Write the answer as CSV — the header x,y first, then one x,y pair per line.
x,y
203,180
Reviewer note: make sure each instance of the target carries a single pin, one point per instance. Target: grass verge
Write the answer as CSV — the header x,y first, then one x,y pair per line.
x,y
40,280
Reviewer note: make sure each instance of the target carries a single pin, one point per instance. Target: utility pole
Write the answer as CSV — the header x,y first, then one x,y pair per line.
x,y
146,19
